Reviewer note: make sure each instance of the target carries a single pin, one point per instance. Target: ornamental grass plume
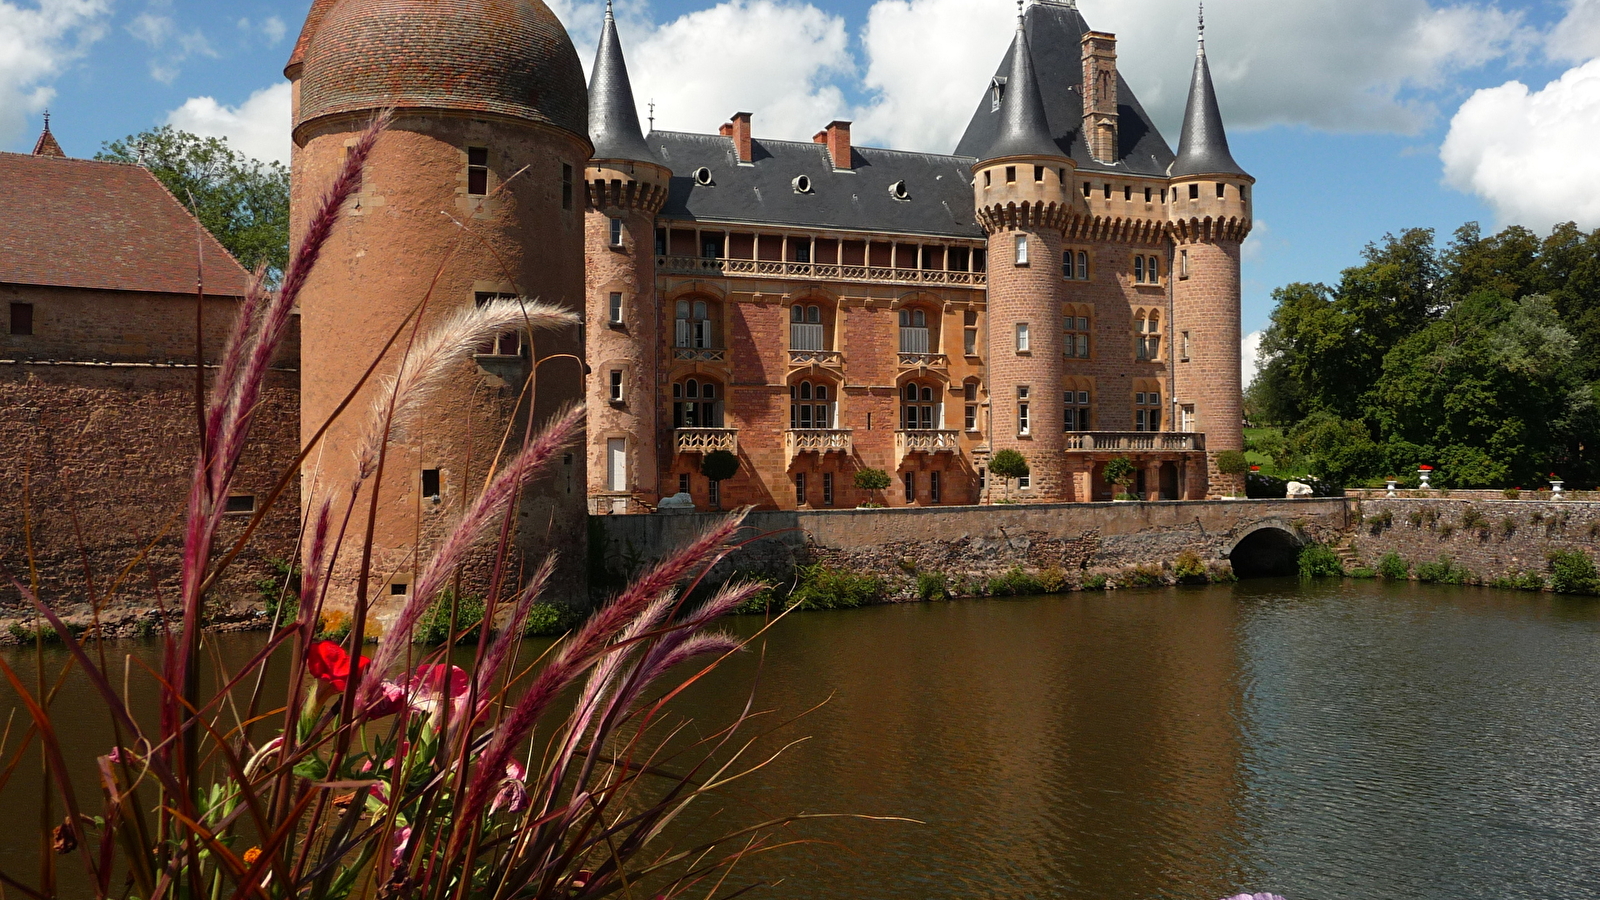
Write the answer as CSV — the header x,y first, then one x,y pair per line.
x,y
431,787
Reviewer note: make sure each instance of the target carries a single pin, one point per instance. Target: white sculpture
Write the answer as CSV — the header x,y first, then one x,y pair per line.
x,y
679,502
1299,489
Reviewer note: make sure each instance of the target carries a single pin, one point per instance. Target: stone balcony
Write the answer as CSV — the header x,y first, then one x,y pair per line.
x,y
700,354
924,361
1115,441
925,440
705,440
816,440
761,268
831,359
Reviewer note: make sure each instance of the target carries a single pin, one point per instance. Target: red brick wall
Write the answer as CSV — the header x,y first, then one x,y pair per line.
x,y
1031,294
115,448
1206,304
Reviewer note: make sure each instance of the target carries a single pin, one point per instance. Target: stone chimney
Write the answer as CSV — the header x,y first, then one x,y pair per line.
x,y
739,130
837,137
1100,95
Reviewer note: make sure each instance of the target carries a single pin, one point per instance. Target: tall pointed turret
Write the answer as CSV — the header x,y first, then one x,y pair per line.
x,y
613,119
1024,129
47,145
1203,149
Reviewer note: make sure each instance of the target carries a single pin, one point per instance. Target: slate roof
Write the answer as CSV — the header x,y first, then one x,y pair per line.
x,y
507,57
613,117
102,225
938,188
1024,129
1055,34
1203,149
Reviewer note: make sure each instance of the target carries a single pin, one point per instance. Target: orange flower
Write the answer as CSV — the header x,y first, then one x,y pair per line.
x,y
251,855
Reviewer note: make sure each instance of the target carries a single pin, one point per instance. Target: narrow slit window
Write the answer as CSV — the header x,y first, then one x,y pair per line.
x,y
683,482
933,487
800,488
477,171
566,186
1127,192
22,318
430,483
1147,192
1194,192
1023,342
1108,190
827,488
1038,173
614,304
1011,174
1183,265
616,385
1221,189
1086,188
241,503
988,178
1022,249
616,232
399,589
1083,266
910,484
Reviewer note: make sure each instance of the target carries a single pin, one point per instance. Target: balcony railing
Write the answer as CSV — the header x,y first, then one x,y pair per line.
x,y
817,440
816,357
705,440
757,268
1085,441
925,440
700,354
923,360
617,504
913,340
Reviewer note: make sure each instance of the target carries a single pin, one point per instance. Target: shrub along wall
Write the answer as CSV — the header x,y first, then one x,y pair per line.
x,y
1490,539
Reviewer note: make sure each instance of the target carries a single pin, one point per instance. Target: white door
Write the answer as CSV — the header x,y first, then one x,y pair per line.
x,y
617,464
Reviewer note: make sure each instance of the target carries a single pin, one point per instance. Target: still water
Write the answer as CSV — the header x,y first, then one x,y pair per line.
x,y
1354,740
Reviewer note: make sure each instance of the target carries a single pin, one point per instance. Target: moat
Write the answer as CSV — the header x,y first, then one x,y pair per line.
x,y
1334,740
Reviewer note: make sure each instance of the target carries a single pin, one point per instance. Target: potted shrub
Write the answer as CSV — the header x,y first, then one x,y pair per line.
x,y
1009,464
872,481
1119,473
719,466
1233,463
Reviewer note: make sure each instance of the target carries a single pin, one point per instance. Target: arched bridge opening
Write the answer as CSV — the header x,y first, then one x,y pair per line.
x,y
1266,552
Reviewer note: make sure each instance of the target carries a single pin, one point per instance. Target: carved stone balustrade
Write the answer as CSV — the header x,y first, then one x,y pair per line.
x,y
832,359
760,268
925,440
705,440
700,354
817,440
1104,441
924,361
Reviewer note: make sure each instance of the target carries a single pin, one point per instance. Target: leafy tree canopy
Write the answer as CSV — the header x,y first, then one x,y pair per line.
x,y
242,201
1481,358
1009,464
719,465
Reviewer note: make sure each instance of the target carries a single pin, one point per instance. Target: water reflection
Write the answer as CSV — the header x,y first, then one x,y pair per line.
x,y
1349,740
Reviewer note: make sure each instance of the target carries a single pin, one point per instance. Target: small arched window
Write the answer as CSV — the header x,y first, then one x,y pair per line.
x,y
809,406
1152,269
1083,266
696,404
1138,269
919,409
914,337
805,328
693,321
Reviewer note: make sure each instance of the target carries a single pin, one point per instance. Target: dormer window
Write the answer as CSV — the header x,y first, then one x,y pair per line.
x,y
997,93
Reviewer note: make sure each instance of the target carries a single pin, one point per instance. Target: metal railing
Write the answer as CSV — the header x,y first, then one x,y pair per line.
x,y
1134,440
913,339
705,440
758,268
805,337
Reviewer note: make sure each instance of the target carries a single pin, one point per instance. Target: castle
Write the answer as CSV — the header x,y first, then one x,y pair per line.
x,y
1062,285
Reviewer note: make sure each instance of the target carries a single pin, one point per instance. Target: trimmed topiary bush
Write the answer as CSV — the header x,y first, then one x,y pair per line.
x,y
1232,462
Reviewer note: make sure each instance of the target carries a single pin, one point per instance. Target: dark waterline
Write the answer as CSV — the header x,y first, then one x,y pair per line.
x,y
1354,740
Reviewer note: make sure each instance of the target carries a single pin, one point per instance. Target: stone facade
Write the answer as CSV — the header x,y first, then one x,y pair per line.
x,y
1488,536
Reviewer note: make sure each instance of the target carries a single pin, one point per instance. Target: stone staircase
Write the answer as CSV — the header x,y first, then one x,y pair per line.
x,y
1348,558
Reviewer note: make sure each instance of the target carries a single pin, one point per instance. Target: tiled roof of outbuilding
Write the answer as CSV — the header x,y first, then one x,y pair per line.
x,y
504,57
102,225
937,189
1055,35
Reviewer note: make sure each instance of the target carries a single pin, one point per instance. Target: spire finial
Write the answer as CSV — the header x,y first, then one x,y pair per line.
x,y
47,119
652,114
1019,13
608,9
1202,50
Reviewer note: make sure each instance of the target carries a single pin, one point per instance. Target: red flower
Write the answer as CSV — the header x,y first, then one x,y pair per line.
x,y
330,664
1425,468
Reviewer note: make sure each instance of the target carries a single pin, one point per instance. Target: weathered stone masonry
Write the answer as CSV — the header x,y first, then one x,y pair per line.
x,y
1490,538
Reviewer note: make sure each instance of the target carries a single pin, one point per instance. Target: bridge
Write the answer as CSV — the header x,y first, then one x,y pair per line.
x,y
1254,537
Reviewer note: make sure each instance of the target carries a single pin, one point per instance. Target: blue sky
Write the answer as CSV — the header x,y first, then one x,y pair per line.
x,y
1358,118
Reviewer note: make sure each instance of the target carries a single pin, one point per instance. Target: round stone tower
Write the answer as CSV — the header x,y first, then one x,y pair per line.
x,y
625,186
1024,204
472,193
1209,219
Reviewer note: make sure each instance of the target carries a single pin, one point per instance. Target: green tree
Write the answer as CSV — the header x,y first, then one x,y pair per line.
x,y
1009,464
1120,472
719,466
243,202
872,481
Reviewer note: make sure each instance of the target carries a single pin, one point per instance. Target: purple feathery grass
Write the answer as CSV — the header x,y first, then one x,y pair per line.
x,y
468,531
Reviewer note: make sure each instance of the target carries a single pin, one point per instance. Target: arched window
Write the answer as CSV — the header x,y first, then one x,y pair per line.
x,y
920,408
805,328
1138,270
1147,335
1083,266
696,404
810,405
1152,269
693,325
914,331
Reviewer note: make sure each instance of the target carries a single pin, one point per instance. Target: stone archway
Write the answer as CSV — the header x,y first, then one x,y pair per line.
x,y
1267,550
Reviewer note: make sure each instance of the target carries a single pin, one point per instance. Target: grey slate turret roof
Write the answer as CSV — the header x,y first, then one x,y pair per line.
x,y
613,117
1055,39
1024,130
1203,149
936,199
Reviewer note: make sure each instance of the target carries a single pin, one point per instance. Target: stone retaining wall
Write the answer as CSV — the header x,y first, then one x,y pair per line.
x,y
976,542
1490,538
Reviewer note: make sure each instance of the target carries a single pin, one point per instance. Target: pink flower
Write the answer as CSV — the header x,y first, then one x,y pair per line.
x,y
431,686
402,838
513,794
390,700
115,755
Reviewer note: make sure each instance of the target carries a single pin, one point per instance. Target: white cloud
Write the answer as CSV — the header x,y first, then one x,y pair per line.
x,y
170,45
1530,154
776,60
258,127
1249,347
36,44
271,28
1577,37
